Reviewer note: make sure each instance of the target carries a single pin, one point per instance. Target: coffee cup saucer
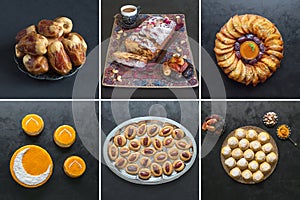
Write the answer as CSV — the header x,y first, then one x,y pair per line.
x,y
137,22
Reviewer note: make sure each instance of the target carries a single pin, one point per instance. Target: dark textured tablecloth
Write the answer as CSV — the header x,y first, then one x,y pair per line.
x,y
59,186
285,15
16,15
191,11
283,184
113,187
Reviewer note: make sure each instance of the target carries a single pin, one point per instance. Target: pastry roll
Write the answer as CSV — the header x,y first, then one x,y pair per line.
x,y
253,165
36,64
240,133
260,156
237,153
243,144
267,148
258,176
235,172
247,175
166,131
249,155
263,137
226,151
232,142
255,145
251,135
130,59
230,162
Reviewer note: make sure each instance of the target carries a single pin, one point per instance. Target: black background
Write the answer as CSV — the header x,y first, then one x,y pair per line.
x,y
59,186
285,15
284,181
16,15
113,187
191,10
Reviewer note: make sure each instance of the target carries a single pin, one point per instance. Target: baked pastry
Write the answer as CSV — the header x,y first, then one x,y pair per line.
x,y
258,176
271,158
166,131
148,151
253,166
145,161
121,163
160,157
265,167
230,162
267,148
35,64
141,130
74,166
124,151
244,144
260,156
132,169
178,165
120,140
173,153
248,155
251,135
168,142
263,137
31,166
133,157
144,173
146,141
182,144
150,37
64,136
255,145
130,59
235,172
249,48
32,124
242,163
156,169
167,168
232,142
153,130
134,145
247,175
237,153
113,152
185,156
240,133
226,151
157,144
130,132
178,134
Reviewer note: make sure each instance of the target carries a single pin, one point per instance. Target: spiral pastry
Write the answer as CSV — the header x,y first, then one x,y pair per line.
x,y
249,49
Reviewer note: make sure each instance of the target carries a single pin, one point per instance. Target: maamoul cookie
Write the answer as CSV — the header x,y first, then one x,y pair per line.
x,y
74,166
32,124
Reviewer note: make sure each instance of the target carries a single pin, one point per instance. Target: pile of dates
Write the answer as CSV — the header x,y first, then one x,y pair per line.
x,y
50,44
179,65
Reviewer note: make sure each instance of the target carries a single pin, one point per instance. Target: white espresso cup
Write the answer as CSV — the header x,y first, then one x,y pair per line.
x,y
129,10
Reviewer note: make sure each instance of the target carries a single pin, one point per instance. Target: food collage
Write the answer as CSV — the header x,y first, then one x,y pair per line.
x,y
134,99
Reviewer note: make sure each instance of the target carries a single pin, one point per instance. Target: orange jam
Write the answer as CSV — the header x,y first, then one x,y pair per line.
x,y
249,50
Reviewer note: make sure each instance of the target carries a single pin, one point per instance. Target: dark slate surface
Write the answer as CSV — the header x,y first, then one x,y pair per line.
x,y
113,187
284,181
17,15
285,15
191,11
59,185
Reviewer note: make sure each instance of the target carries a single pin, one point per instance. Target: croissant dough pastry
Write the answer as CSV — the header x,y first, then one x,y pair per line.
x,y
249,49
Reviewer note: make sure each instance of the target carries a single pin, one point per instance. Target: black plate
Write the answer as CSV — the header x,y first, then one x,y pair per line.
x,y
51,75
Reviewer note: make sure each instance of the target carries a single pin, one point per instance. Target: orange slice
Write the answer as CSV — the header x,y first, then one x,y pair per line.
x,y
32,124
64,136
249,50
74,166
31,166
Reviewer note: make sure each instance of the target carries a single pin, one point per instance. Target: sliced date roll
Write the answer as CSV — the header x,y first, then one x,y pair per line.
x,y
157,144
153,130
121,162
146,141
134,145
133,157
144,173
178,134
168,142
156,169
173,153
36,64
58,58
124,151
141,129
185,156
113,152
132,169
178,165
166,131
120,140
148,151
160,157
145,161
167,168
130,132
182,144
